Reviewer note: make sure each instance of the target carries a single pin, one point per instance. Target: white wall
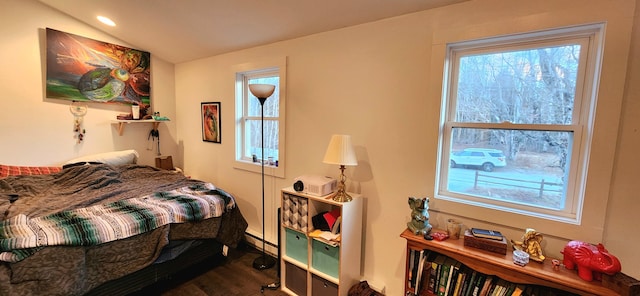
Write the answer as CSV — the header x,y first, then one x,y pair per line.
x,y
622,213
372,81
39,131
379,82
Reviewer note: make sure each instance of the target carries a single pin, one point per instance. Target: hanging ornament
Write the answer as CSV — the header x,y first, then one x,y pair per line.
x,y
78,110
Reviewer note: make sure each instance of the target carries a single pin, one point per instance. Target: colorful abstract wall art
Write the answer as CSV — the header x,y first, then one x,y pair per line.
x,y
83,69
211,121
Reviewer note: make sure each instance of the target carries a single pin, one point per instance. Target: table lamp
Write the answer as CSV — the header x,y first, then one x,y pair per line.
x,y
340,152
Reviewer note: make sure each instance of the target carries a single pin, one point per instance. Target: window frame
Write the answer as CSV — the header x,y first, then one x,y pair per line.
x,y
582,127
243,73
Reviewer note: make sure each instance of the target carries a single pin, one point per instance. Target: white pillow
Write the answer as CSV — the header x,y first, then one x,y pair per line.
x,y
112,158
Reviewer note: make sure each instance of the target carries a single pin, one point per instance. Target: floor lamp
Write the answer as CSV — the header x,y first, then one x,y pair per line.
x,y
262,92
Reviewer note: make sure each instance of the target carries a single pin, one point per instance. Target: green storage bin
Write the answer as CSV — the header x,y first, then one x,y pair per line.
x,y
296,247
325,258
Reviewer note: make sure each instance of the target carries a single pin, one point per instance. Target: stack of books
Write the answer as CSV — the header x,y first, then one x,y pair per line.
x,y
431,273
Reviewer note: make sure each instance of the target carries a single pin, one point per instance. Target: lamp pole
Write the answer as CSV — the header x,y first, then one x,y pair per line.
x,y
263,262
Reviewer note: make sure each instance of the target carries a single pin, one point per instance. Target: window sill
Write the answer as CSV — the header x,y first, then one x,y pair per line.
x,y
269,170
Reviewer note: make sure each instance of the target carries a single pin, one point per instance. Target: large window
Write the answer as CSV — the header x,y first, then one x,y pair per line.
x,y
249,124
517,122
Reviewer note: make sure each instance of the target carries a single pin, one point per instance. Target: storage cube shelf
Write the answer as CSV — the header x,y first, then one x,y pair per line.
x,y
309,266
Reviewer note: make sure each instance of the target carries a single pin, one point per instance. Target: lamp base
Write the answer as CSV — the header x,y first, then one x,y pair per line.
x,y
264,262
342,196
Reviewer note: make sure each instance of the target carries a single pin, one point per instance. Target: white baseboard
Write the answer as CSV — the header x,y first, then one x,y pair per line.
x,y
378,287
256,241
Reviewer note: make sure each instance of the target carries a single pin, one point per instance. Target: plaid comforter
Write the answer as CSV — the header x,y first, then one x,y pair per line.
x,y
22,236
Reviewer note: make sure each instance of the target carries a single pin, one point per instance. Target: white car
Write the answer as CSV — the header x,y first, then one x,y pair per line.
x,y
488,159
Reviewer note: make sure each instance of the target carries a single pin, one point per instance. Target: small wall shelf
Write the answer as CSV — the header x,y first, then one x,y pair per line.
x,y
121,123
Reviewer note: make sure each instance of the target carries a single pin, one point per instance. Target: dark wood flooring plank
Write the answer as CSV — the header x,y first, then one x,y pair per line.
x,y
235,276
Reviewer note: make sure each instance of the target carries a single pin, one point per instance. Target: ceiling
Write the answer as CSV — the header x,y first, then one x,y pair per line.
x,y
185,30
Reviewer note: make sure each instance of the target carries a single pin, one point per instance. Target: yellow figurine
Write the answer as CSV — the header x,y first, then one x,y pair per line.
x,y
531,243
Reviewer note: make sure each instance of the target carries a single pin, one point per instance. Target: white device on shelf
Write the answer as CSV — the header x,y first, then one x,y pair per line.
x,y
315,185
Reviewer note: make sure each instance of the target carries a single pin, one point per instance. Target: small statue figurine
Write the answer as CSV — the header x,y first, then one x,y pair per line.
x,y
590,260
531,243
419,216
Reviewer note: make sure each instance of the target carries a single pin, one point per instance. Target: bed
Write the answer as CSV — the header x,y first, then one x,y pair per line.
x,y
101,228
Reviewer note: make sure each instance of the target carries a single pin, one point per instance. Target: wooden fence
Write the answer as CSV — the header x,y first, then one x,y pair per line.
x,y
541,186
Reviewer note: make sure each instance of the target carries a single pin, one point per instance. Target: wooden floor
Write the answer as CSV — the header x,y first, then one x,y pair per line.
x,y
234,276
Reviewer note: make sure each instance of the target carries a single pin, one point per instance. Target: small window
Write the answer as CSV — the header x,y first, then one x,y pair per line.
x,y
250,116
517,120
252,120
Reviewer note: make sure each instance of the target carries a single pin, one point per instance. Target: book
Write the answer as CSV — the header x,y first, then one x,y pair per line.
x,y
410,279
440,259
432,272
460,281
498,288
426,275
414,267
465,283
529,290
418,279
468,285
509,289
477,286
486,286
485,233
453,277
518,290
444,276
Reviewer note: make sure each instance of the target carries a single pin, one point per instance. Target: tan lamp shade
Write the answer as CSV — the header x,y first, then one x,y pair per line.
x,y
262,91
340,151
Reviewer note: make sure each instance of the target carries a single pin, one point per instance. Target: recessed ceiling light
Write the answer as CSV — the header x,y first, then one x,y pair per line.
x,y
107,21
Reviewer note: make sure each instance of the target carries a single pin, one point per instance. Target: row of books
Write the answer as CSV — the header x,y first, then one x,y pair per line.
x,y
431,273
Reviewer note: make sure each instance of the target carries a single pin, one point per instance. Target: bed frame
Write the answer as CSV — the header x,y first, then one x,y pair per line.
x,y
209,250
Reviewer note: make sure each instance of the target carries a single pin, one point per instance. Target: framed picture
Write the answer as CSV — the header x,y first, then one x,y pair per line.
x,y
83,69
210,114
